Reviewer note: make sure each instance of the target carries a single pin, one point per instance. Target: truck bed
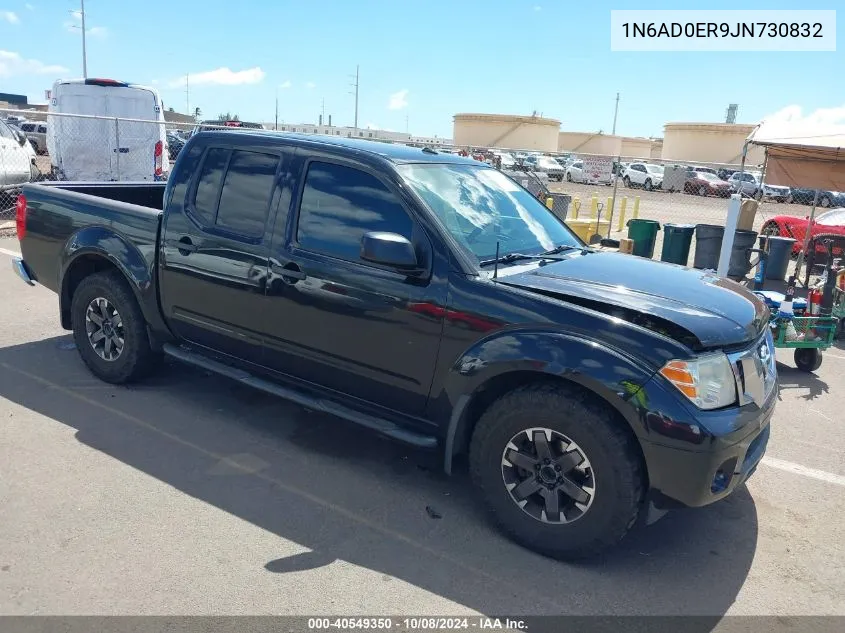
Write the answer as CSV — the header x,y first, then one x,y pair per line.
x,y
128,213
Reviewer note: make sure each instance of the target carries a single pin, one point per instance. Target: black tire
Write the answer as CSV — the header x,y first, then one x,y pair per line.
x,y
647,185
136,358
790,199
824,202
702,191
808,359
612,455
569,176
626,181
770,228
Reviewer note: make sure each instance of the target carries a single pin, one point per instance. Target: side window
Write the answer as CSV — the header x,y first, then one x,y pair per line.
x,y
208,186
340,204
5,132
247,192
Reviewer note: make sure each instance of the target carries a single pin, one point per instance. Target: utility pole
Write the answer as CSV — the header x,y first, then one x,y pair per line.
x,y
187,94
84,53
355,85
615,114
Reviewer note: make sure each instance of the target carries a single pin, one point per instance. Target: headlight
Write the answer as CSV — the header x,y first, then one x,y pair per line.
x,y
707,381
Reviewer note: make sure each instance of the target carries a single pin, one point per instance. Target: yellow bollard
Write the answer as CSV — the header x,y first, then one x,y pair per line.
x,y
550,203
576,207
594,207
636,207
608,208
622,205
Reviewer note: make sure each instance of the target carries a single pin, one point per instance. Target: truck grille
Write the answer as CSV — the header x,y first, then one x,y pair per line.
x,y
755,370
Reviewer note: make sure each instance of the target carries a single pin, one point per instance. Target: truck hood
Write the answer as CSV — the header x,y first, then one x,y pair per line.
x,y
694,307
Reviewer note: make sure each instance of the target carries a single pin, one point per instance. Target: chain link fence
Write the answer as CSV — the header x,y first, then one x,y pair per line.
x,y
51,146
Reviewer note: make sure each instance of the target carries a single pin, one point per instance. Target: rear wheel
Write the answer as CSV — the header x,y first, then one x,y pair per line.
x,y
109,329
770,228
702,191
808,359
824,201
648,186
569,176
790,199
558,472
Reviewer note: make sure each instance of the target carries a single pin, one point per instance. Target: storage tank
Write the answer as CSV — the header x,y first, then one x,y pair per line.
x,y
636,147
656,149
506,131
589,143
709,143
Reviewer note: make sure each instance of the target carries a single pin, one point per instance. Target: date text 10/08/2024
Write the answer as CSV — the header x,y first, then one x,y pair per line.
x,y
722,29
417,623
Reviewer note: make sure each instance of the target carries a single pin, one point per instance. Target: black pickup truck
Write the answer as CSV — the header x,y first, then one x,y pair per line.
x,y
431,299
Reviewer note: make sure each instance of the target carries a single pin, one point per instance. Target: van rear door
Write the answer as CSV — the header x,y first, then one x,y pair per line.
x,y
83,146
135,141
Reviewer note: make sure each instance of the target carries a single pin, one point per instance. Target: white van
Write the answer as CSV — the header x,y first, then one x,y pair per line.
x,y
102,148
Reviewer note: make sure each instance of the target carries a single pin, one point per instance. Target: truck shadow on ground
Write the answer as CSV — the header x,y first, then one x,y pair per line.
x,y
346,494
790,378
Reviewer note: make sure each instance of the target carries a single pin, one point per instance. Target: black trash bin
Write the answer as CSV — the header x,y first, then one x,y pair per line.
x,y
780,251
708,245
676,243
740,263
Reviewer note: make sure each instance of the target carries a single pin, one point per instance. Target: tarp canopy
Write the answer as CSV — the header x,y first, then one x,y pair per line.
x,y
803,155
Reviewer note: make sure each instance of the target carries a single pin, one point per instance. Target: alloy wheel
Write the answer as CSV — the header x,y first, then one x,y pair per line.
x,y
548,476
104,327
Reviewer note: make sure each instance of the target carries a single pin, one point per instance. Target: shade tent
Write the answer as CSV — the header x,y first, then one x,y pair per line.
x,y
803,155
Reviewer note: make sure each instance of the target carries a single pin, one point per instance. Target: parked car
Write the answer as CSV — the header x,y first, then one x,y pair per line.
x,y
17,158
708,170
725,174
587,387
705,183
826,198
549,166
36,133
832,222
100,148
646,175
175,143
575,171
749,184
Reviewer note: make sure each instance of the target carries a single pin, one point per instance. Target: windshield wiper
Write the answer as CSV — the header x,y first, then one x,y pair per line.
x,y
562,249
512,257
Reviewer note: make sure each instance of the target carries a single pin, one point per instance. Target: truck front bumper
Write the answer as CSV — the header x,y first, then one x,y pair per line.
x,y
693,478
19,266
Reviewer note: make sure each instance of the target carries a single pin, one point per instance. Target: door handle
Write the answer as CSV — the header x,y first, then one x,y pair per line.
x,y
290,273
186,246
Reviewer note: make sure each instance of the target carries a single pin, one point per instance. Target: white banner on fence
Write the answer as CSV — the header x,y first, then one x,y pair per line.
x,y
597,169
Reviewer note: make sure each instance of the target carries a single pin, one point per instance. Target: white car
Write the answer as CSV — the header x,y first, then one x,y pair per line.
x,y
575,171
749,184
16,156
646,175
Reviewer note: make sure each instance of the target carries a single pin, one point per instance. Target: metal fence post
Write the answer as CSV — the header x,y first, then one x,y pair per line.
x,y
117,144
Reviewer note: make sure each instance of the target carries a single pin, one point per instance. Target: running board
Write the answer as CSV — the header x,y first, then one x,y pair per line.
x,y
380,425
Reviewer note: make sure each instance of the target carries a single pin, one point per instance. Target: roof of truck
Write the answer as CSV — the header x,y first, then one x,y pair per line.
x,y
393,152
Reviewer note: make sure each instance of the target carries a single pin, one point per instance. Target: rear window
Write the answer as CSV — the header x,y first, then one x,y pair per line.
x,y
247,192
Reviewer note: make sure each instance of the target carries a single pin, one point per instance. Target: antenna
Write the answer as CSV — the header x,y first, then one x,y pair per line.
x,y
615,114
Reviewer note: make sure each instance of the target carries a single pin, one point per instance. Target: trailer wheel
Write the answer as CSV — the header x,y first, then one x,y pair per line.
x,y
808,359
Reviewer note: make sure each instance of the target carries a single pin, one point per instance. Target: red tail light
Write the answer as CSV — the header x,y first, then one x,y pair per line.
x,y
158,158
20,216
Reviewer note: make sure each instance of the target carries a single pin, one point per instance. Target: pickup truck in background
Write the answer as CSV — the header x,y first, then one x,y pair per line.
x,y
429,298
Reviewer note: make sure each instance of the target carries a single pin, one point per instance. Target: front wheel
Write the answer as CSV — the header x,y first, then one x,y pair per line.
x,y
825,202
702,191
569,176
109,330
808,359
627,182
648,186
559,472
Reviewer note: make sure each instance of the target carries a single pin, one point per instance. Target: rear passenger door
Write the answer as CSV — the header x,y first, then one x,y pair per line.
x,y
215,249
340,322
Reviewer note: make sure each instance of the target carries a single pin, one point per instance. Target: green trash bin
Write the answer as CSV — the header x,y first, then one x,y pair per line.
x,y
677,239
644,234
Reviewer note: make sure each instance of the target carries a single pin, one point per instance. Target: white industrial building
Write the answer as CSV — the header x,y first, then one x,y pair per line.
x,y
364,133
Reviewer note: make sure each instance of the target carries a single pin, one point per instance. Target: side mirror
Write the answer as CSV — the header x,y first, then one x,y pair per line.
x,y
388,249
22,140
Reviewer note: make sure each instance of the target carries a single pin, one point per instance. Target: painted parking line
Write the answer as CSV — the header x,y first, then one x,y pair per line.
x,y
798,469
6,251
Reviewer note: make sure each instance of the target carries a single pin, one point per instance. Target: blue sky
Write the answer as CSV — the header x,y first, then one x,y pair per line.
x,y
420,59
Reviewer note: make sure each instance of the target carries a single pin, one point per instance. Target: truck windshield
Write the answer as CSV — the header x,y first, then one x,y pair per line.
x,y
480,206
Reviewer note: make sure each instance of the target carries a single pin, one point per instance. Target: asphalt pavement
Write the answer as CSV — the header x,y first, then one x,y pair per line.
x,y
188,494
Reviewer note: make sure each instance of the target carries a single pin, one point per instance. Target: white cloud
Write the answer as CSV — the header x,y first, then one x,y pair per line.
x,y
12,64
398,100
791,122
75,26
537,7
154,82
222,77
285,85
10,16
310,85
29,6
